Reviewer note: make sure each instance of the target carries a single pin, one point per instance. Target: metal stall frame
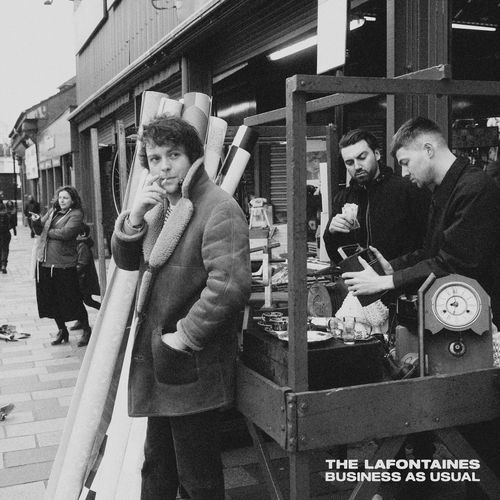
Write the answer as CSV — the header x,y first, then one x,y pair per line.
x,y
300,420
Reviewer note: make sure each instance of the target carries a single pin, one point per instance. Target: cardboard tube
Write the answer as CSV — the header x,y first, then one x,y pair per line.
x,y
213,148
239,161
196,112
170,107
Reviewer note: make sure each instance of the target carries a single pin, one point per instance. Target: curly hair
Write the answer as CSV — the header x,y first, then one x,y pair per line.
x,y
73,193
169,130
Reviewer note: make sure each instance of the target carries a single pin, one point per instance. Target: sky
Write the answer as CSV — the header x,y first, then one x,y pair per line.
x,y
36,54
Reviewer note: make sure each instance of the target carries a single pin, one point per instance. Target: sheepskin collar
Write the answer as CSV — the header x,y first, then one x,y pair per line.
x,y
163,236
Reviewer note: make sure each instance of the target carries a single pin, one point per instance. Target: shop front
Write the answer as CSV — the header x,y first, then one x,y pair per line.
x,y
54,157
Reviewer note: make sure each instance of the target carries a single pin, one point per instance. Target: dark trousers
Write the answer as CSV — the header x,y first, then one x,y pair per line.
x,y
183,452
4,248
89,301
30,224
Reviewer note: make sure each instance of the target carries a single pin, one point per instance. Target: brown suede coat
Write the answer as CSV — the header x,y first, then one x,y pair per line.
x,y
194,279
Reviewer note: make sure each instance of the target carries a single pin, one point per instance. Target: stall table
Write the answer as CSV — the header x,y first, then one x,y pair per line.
x,y
301,419
331,362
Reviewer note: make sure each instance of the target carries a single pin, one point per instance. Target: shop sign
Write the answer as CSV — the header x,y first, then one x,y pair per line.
x,y
50,142
39,113
332,33
31,162
46,165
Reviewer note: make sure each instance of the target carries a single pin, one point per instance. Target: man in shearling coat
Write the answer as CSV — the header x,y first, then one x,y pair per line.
x,y
189,239
463,231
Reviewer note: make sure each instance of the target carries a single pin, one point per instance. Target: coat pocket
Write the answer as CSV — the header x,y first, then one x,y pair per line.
x,y
170,365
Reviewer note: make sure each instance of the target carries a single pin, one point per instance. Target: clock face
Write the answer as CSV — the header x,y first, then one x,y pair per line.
x,y
456,305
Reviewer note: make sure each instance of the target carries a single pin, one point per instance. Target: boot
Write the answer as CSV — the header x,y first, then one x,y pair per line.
x,y
4,269
84,339
77,326
62,336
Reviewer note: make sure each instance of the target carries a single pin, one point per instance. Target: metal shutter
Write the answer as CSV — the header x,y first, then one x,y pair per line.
x,y
278,180
264,26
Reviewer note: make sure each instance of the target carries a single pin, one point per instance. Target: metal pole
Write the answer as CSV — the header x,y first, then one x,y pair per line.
x,y
14,181
122,159
94,146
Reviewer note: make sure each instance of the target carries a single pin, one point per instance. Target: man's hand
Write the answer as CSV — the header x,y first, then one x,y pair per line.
x,y
172,340
152,193
383,261
367,282
341,224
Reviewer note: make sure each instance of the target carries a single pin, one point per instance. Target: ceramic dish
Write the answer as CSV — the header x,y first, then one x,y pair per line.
x,y
312,336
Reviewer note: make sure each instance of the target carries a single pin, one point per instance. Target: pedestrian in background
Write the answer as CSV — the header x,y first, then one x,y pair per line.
x,y
31,207
5,227
87,277
57,290
12,211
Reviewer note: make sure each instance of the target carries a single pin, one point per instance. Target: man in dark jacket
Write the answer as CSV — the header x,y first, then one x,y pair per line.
x,y
463,234
5,237
189,240
392,213
32,207
87,278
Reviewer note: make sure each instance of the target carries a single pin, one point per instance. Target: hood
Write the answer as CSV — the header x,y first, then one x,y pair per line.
x,y
85,239
385,172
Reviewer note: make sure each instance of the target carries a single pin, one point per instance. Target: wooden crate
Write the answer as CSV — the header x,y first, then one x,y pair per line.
x,y
331,363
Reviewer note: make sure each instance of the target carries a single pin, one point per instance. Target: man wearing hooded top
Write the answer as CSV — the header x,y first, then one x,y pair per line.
x,y
392,213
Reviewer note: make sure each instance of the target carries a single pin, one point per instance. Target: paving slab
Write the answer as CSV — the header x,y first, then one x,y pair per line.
x,y
24,491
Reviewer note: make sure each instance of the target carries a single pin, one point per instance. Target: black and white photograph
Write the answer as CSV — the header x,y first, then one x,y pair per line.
x,y
250,250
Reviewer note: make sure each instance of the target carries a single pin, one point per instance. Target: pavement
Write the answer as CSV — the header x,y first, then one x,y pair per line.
x,y
39,380
35,376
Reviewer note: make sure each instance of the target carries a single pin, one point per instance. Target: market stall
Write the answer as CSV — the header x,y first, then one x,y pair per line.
x,y
302,419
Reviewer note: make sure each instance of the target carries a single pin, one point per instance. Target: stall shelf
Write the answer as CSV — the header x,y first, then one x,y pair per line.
x,y
300,420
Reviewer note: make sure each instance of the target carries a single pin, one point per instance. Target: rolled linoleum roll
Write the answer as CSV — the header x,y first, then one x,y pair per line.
x,y
87,414
196,112
170,107
237,159
213,148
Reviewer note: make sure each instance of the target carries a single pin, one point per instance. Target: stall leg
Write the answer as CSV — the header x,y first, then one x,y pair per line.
x,y
265,461
388,448
299,475
460,447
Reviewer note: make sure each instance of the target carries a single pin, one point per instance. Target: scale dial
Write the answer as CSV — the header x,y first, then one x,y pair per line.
x,y
456,305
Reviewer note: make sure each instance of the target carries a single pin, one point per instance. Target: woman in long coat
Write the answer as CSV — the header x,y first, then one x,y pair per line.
x,y
57,291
